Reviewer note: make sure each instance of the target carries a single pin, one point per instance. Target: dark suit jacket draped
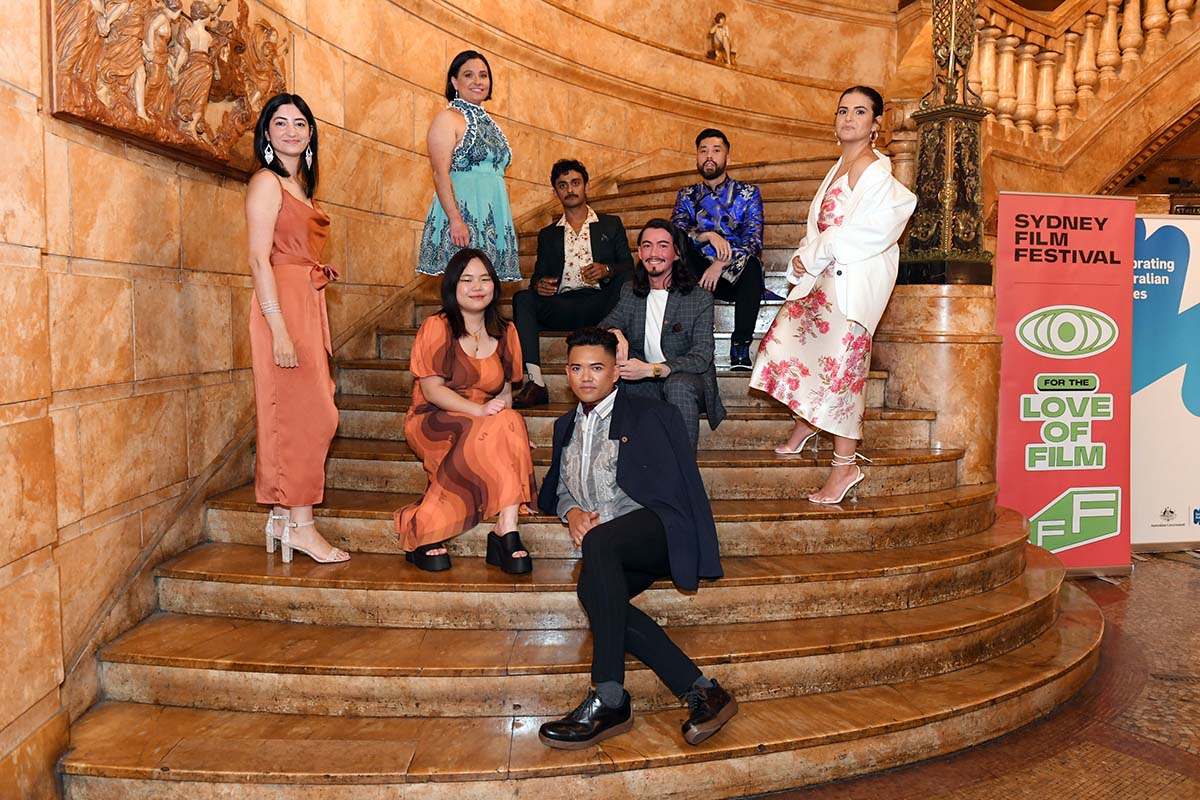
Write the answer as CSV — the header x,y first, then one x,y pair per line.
x,y
656,468
610,246
687,337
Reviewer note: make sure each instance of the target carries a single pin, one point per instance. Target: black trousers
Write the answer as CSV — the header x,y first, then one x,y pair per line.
x,y
568,311
746,294
621,559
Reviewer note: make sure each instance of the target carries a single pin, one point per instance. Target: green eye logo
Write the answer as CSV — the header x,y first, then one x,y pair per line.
x,y
1067,332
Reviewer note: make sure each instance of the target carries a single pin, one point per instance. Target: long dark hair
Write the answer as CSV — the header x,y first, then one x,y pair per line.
x,y
682,277
493,321
308,175
457,64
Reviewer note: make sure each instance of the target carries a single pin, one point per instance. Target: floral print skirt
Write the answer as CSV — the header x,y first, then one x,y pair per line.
x,y
815,361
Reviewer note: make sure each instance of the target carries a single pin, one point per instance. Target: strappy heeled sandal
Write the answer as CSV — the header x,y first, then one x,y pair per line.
x,y
421,559
840,460
273,537
500,551
812,437
336,555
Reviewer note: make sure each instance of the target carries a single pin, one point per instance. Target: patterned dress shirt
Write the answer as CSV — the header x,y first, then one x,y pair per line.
x,y
733,209
577,253
587,478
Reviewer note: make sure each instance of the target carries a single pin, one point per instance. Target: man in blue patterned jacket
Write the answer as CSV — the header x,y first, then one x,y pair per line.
x,y
723,218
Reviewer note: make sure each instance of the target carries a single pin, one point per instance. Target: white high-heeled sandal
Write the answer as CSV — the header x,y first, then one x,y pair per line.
x,y
783,451
840,460
336,555
285,517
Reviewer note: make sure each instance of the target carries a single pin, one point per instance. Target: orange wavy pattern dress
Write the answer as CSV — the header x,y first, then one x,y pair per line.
x,y
296,414
476,465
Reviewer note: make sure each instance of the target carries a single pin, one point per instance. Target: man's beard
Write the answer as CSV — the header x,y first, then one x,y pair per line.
x,y
709,172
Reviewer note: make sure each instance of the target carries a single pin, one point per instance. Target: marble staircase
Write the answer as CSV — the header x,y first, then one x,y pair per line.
x,y
912,622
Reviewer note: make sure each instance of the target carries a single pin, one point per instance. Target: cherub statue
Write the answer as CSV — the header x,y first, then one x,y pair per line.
x,y
720,41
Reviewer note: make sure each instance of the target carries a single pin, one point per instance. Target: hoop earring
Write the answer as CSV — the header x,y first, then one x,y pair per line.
x,y
308,156
838,139
268,153
874,134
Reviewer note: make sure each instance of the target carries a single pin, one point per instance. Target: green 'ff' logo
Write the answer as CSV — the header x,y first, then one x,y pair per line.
x,y
1077,517
1067,331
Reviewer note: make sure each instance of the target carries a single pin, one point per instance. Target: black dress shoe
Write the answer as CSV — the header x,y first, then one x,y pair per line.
x,y
531,395
710,709
590,723
500,551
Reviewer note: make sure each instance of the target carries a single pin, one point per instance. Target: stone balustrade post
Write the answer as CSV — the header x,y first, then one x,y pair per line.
x,y
1026,86
1108,52
974,74
903,145
989,91
1006,70
1043,120
1181,19
1064,85
1087,74
1131,39
1156,20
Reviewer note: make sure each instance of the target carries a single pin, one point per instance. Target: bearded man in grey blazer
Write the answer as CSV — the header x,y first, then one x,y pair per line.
x,y
664,330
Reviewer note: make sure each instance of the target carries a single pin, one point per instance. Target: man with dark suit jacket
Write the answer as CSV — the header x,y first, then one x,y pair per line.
x,y
664,328
624,480
581,262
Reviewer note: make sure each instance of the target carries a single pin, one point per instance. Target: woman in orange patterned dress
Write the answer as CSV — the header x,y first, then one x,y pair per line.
x,y
289,328
461,424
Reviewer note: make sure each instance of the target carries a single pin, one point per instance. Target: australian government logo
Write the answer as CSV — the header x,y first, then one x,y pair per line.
x,y
1067,332
1168,517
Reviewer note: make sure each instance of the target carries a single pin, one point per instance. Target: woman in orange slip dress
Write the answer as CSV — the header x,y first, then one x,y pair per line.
x,y
461,423
289,328
816,355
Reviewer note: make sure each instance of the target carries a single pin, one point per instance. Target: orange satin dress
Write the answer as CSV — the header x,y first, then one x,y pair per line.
x,y
296,414
476,465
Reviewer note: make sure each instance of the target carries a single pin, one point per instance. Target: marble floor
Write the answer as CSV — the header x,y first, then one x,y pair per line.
x,y
1132,733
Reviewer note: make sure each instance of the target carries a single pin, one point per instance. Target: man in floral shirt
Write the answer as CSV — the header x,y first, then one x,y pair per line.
x,y
723,218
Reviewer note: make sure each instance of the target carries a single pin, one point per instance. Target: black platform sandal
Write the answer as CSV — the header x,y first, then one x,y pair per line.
x,y
500,551
421,559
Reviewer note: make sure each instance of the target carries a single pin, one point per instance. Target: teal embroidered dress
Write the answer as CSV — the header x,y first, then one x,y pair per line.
x,y
477,174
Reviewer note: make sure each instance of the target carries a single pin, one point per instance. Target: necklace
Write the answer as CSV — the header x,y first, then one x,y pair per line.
x,y
475,335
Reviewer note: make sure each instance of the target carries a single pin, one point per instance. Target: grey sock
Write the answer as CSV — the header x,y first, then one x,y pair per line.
x,y
611,693
702,683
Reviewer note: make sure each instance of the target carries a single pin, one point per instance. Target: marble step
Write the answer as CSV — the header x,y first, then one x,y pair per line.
x,y
759,172
723,313
745,428
775,263
381,590
775,234
391,376
362,522
134,751
255,665
636,209
376,465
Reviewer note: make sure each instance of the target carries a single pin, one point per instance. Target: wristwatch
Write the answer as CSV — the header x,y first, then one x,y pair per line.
x,y
656,370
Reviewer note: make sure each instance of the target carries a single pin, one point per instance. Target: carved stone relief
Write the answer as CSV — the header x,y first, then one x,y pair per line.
x,y
172,75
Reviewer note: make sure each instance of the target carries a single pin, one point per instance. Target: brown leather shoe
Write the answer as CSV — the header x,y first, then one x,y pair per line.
x,y
709,709
531,395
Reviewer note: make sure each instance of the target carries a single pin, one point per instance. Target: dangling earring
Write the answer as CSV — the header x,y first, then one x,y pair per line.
x,y
268,153
308,156
838,139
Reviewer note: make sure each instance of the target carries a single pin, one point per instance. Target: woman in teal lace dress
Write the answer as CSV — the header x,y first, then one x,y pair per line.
x,y
469,154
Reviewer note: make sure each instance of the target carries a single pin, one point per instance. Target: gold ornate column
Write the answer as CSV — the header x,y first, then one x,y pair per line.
x,y
945,237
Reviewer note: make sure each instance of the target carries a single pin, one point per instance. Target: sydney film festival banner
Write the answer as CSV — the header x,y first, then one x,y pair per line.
x,y
1064,271
1166,383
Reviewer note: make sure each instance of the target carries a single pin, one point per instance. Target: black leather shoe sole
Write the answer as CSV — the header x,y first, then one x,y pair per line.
x,y
582,744
695,734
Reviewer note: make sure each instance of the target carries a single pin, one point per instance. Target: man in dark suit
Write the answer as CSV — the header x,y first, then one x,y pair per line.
x,y
664,328
624,480
581,262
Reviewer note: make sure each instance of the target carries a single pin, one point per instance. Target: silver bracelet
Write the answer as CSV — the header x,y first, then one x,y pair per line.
x,y
270,307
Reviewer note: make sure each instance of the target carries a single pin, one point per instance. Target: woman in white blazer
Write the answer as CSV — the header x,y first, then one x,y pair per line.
x,y
816,355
